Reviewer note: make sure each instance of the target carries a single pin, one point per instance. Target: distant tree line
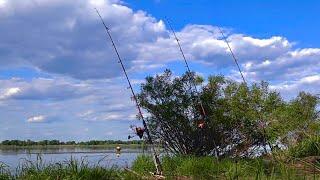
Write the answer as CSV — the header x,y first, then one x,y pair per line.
x,y
57,142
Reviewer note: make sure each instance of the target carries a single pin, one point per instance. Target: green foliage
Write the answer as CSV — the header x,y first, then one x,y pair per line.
x,y
240,120
296,121
143,164
57,142
307,147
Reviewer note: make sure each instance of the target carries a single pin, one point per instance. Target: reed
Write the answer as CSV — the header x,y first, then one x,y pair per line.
x,y
175,167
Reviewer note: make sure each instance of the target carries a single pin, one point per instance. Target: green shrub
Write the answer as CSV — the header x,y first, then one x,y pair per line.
x,y
307,147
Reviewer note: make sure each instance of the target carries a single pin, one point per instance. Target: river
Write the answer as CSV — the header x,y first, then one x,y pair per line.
x,y
106,157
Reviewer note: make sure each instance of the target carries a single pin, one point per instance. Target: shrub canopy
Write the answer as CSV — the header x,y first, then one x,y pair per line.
x,y
240,120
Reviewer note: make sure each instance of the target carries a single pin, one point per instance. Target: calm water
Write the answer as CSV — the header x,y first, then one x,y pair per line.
x,y
105,157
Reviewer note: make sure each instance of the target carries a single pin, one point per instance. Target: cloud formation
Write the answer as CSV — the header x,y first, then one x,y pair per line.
x,y
36,119
42,89
9,92
66,41
72,41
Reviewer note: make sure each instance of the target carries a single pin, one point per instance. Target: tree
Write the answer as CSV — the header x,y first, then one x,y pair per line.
x,y
237,116
296,121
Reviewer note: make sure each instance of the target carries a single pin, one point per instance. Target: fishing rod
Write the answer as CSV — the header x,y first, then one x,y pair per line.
x,y
193,84
244,81
192,81
232,54
155,156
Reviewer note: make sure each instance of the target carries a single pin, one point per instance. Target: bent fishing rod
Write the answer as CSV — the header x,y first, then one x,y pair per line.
x,y
155,156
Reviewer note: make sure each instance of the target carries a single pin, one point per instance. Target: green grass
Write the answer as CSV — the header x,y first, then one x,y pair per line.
x,y
70,169
174,167
4,172
307,147
211,168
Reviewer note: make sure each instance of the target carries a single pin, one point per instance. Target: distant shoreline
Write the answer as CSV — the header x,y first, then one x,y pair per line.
x,y
109,146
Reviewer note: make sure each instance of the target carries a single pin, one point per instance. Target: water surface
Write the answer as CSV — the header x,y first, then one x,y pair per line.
x,y
105,157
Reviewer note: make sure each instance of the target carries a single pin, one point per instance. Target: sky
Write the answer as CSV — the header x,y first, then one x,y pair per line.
x,y
59,76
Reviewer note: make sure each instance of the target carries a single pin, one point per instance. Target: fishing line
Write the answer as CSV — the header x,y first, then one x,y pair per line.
x,y
155,156
232,54
193,83
239,69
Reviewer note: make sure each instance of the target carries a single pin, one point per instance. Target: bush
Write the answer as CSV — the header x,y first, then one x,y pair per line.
x,y
307,147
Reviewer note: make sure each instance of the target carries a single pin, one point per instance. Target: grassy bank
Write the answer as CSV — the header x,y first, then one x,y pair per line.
x,y
174,167
210,168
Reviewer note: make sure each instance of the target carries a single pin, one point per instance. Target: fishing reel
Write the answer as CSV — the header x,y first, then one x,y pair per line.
x,y
201,124
138,131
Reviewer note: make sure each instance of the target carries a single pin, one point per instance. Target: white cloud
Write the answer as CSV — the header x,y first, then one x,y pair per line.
x,y
44,89
9,92
74,42
311,79
36,119
112,116
86,113
290,89
291,66
143,41
73,50
2,3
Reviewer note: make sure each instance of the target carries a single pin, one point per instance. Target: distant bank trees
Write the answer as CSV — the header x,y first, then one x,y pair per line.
x,y
241,120
57,142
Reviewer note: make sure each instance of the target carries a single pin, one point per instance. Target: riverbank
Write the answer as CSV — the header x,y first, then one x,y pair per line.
x,y
108,146
174,168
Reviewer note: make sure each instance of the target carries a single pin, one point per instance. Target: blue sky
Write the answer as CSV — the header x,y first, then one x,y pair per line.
x,y
290,18
60,80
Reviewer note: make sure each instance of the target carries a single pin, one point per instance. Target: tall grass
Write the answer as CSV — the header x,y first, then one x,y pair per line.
x,y
5,174
68,169
211,168
307,147
175,167
143,164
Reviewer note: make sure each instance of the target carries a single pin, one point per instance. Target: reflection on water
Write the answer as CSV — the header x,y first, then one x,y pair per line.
x,y
106,157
